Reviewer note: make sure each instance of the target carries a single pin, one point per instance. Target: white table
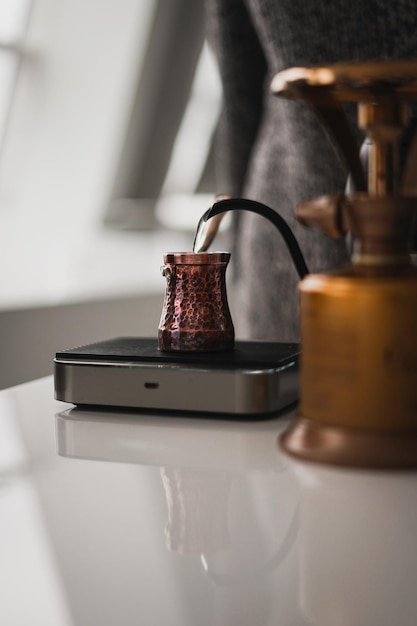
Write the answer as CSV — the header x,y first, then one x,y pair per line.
x,y
126,519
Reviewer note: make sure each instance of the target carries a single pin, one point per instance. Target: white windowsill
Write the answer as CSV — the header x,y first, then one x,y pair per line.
x,y
64,264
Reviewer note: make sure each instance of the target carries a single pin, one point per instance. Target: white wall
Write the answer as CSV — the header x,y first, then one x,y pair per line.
x,y
64,279
72,103
30,337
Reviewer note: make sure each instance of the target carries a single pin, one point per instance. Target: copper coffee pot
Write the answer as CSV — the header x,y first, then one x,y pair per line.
x,y
358,388
195,316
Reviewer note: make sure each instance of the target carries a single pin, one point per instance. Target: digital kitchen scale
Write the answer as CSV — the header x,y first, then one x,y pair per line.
x,y
131,372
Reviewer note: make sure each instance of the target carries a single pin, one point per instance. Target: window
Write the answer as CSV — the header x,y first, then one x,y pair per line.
x,y
104,95
165,158
14,15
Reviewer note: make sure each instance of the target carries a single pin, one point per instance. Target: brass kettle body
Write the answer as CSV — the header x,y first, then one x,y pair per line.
x,y
358,386
358,403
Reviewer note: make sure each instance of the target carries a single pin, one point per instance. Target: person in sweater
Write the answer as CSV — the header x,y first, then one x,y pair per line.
x,y
275,151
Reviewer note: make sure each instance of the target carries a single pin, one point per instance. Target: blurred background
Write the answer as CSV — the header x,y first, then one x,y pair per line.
x,y
108,111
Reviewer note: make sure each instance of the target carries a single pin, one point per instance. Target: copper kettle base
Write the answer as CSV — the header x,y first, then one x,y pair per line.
x,y
350,447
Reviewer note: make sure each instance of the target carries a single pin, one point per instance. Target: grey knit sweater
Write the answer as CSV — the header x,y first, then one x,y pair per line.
x,y
275,151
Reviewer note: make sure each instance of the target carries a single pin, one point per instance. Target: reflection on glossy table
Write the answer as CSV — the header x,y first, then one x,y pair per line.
x,y
120,518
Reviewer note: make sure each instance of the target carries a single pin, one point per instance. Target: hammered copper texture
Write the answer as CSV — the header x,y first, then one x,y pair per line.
x,y
196,314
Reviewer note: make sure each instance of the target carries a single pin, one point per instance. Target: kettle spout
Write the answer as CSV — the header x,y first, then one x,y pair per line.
x,y
219,208
206,231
